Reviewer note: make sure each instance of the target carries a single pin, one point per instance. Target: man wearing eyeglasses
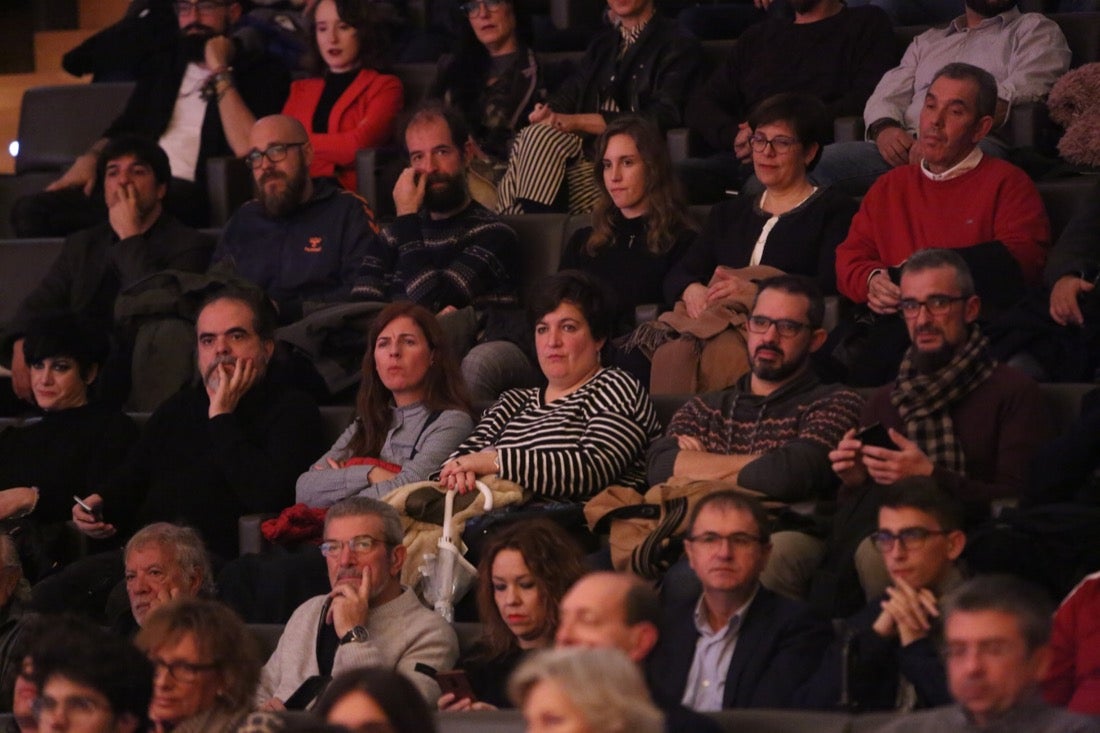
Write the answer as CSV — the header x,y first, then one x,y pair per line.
x,y
886,658
301,240
953,413
772,431
196,98
737,644
996,648
368,619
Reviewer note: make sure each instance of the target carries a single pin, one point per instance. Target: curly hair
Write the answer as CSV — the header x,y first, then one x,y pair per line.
x,y
667,210
554,559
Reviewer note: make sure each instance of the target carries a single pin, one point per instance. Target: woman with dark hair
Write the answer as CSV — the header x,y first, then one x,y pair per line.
x,y
75,445
640,226
351,105
375,699
589,427
411,412
523,574
791,225
493,79
206,667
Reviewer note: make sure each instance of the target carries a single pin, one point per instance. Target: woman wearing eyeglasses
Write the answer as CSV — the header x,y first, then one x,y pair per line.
x,y
350,106
205,667
494,80
792,225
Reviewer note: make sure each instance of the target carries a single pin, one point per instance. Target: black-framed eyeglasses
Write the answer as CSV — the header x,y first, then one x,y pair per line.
x,y
937,305
274,153
712,540
785,326
472,7
780,143
911,538
203,7
185,672
360,545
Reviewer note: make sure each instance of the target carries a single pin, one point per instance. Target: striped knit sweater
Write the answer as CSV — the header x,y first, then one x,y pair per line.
x,y
573,447
465,259
792,429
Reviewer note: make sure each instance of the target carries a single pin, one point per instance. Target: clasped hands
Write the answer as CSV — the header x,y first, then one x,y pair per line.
x,y
854,462
461,473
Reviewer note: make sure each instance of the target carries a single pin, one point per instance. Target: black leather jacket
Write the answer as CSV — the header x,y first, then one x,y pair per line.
x,y
653,79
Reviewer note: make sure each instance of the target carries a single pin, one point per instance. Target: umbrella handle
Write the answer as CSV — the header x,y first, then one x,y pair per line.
x,y
449,507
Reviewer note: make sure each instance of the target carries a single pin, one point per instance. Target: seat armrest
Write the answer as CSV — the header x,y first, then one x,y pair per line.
x,y
678,140
848,129
366,173
250,537
1025,125
646,312
228,184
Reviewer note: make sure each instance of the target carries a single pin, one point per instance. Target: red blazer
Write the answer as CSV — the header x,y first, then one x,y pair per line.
x,y
361,118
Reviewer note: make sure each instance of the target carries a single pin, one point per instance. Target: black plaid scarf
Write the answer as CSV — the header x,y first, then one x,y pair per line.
x,y
924,400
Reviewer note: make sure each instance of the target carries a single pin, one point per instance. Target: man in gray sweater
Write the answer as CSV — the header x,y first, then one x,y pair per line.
x,y
367,620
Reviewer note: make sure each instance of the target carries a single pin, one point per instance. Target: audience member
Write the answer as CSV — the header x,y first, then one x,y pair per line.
x,y
163,563
639,204
90,681
737,644
301,240
618,611
444,250
197,99
1072,678
584,690
829,50
17,685
368,619
494,80
956,197
96,264
351,106
411,412
16,623
953,413
588,428
373,696
772,431
205,666
996,645
523,574
887,656
231,445
644,65
792,225
1024,52
76,443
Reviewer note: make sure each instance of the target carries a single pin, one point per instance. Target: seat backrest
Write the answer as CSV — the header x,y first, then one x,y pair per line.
x,y
1062,198
540,245
23,264
417,78
1082,32
58,123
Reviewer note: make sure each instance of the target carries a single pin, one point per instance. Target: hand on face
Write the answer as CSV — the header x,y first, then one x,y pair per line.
x,y
408,192
350,603
227,381
124,212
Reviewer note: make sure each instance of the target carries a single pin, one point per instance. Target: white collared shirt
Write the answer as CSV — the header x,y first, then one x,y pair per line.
x,y
969,163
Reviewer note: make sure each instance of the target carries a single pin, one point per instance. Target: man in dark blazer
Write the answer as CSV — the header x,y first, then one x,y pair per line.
x,y
738,644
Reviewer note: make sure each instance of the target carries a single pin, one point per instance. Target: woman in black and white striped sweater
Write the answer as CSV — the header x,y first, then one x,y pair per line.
x,y
589,427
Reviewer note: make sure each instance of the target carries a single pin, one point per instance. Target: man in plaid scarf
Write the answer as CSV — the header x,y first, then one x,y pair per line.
x,y
953,413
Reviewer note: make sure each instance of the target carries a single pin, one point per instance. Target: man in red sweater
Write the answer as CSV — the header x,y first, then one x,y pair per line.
x,y
955,198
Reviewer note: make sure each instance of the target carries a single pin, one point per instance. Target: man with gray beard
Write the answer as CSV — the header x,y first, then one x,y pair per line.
x,y
302,240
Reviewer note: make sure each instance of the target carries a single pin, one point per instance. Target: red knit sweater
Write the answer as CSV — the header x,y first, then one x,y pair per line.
x,y
905,211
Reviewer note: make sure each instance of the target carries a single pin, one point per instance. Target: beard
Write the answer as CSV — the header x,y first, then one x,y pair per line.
x,y
281,201
448,197
193,40
774,372
927,362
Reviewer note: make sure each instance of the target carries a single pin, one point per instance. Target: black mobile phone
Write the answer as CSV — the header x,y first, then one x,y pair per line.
x,y
457,682
876,435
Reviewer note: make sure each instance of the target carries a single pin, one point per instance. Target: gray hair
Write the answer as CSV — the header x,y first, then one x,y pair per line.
x,y
935,258
604,684
362,506
1008,594
986,102
184,544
